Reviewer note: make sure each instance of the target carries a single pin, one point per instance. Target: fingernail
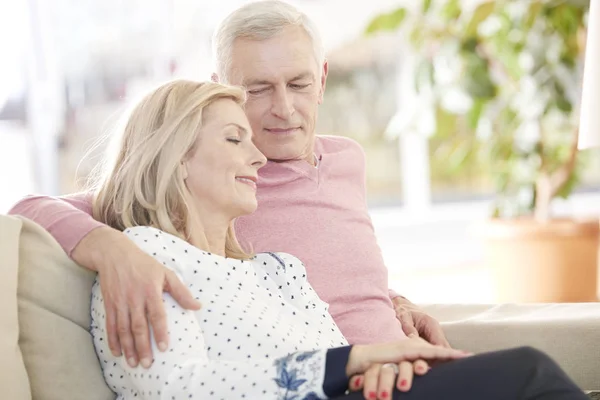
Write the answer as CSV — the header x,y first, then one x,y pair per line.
x,y
162,346
384,395
403,383
357,381
131,362
372,395
116,353
146,362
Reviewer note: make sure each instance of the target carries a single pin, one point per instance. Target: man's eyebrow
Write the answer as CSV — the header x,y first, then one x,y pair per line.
x,y
257,82
262,82
301,76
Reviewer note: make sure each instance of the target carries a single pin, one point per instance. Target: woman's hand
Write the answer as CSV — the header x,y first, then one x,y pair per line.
x,y
362,357
378,381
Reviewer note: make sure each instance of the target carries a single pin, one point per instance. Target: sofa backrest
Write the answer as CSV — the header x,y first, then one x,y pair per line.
x,y
13,376
53,297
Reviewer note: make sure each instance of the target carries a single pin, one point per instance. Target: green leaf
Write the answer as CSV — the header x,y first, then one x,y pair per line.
x,y
562,103
426,6
451,10
475,112
445,123
481,13
387,22
533,13
510,61
424,75
477,81
565,191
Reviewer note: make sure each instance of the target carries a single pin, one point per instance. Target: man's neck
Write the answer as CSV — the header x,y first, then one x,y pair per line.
x,y
312,160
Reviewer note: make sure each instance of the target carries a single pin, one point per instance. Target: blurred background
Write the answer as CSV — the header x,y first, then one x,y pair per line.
x,y
459,104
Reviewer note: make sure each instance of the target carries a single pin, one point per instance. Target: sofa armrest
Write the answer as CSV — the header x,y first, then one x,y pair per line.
x,y
569,333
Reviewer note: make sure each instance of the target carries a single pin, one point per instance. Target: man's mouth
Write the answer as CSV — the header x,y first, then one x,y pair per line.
x,y
282,131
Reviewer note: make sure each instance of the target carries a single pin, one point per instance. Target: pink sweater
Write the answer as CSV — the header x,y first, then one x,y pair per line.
x,y
317,214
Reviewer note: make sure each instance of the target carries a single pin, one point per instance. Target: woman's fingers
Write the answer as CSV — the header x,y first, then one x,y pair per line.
x,y
405,376
356,383
421,367
371,382
429,352
387,377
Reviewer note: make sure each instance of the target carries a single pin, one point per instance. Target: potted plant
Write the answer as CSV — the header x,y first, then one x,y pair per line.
x,y
501,81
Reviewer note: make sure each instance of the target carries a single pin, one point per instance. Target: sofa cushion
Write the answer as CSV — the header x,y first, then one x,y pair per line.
x,y
54,315
567,332
13,376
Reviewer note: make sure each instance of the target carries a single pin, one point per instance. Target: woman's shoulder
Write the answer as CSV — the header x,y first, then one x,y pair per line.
x,y
170,250
280,258
280,263
149,236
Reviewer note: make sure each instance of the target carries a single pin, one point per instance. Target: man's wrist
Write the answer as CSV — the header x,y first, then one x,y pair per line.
x,y
89,251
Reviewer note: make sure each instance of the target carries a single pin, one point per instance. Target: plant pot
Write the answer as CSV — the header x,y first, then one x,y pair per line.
x,y
534,262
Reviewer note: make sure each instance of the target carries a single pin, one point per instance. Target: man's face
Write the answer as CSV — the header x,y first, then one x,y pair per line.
x,y
285,86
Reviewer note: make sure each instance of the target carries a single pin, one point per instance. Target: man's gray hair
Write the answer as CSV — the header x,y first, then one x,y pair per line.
x,y
260,20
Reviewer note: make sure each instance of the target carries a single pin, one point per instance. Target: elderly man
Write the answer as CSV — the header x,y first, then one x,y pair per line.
x,y
311,196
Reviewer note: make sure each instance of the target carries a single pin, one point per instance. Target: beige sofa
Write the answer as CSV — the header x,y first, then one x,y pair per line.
x,y
46,351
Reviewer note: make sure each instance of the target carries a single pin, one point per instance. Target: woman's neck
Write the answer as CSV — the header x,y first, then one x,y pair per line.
x,y
210,235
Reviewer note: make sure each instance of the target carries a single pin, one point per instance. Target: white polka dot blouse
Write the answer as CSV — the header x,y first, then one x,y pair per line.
x,y
262,331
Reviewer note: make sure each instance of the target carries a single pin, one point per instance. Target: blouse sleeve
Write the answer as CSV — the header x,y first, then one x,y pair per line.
x,y
184,370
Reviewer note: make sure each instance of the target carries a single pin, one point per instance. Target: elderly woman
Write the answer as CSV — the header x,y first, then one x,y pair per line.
x,y
184,169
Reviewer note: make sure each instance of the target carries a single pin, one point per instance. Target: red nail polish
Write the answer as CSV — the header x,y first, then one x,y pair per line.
x,y
372,395
403,383
384,395
357,381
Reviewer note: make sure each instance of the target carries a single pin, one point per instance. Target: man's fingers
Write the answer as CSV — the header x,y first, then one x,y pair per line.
x,y
141,335
125,337
180,292
157,317
408,325
111,328
437,338
430,330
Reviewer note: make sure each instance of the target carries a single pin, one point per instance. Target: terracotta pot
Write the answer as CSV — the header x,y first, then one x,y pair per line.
x,y
533,262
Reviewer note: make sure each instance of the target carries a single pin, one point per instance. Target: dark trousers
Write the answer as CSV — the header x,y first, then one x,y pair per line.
x,y
523,373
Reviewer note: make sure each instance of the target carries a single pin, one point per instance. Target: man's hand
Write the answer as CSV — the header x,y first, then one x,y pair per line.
x,y
416,322
132,283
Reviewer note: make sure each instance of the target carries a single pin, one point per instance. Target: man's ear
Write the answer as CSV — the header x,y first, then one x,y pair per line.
x,y
323,81
214,77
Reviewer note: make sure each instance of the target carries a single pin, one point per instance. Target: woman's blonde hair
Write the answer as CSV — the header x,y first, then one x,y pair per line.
x,y
144,184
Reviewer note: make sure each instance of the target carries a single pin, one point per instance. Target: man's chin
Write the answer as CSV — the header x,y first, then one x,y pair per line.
x,y
278,153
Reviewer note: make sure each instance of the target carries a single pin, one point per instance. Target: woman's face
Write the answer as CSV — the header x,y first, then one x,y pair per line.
x,y
222,171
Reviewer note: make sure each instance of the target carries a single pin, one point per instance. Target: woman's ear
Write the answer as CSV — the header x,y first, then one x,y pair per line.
x,y
184,171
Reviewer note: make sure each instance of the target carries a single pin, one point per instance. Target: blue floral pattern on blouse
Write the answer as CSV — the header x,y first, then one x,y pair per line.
x,y
293,372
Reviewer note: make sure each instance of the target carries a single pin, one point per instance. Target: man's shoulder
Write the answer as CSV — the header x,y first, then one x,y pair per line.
x,y
332,143
349,149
